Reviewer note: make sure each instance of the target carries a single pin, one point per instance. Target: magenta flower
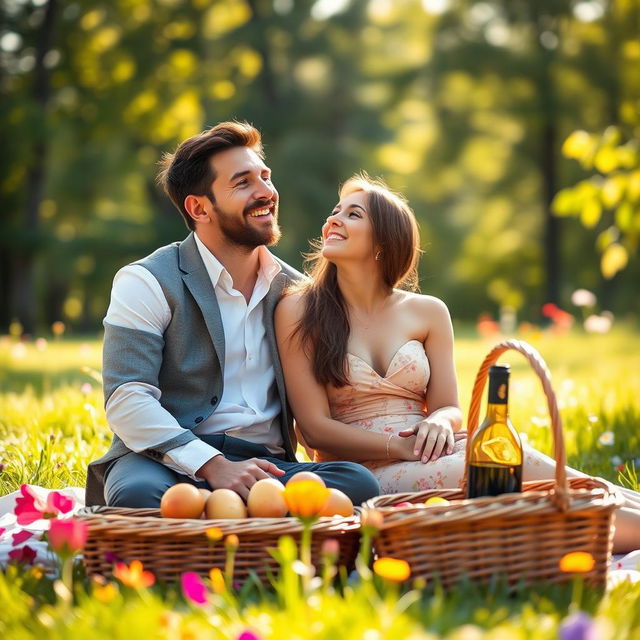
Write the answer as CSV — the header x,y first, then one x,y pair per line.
x,y
67,536
23,555
248,635
2,530
112,558
578,626
193,588
30,508
20,537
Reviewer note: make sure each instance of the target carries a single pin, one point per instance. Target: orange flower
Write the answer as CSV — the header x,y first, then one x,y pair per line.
x,y
134,575
214,534
58,328
577,562
306,498
392,569
231,542
217,581
371,521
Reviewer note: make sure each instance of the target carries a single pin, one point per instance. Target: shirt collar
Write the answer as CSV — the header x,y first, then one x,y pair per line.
x,y
269,266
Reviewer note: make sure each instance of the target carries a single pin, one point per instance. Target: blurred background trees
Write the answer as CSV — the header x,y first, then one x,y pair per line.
x,y
477,111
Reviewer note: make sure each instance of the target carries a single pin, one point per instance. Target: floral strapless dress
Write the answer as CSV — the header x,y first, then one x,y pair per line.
x,y
390,404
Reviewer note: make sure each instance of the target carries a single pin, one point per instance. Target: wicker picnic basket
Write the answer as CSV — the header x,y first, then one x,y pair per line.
x,y
168,547
519,536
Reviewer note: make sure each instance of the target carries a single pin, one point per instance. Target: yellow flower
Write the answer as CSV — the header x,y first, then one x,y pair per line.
x,y
214,534
577,562
231,542
169,620
217,580
36,572
436,501
392,569
305,498
134,575
105,593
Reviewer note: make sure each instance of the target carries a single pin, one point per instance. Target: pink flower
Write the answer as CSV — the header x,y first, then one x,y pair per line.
x,y
193,588
2,530
330,547
248,635
20,537
60,503
67,536
29,507
26,509
23,555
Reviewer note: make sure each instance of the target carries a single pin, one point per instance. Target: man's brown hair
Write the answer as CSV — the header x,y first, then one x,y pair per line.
x,y
188,171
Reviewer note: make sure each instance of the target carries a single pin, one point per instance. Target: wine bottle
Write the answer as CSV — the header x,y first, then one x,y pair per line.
x,y
495,458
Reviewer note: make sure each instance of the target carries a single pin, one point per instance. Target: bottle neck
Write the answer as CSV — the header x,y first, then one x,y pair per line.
x,y
497,412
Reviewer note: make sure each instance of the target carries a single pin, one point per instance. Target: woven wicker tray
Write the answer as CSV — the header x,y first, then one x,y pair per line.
x,y
168,547
520,536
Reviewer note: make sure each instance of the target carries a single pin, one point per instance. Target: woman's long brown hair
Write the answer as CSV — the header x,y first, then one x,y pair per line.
x,y
324,327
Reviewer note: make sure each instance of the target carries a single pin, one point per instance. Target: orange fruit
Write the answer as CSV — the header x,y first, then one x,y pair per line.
x,y
306,475
182,500
338,504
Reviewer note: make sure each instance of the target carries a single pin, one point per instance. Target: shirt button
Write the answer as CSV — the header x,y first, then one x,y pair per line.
x,y
214,400
199,419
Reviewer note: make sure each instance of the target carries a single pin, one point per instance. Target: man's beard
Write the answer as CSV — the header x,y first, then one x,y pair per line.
x,y
245,235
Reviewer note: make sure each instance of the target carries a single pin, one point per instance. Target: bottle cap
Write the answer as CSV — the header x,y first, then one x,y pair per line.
x,y
501,370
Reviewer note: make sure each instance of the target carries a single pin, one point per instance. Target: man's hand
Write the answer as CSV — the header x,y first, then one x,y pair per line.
x,y
240,476
434,438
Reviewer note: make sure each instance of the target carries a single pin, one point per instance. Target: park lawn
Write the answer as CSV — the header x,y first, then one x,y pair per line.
x,y
52,424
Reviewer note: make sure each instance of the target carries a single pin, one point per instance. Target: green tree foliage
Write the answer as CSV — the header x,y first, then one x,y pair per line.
x,y
460,104
611,197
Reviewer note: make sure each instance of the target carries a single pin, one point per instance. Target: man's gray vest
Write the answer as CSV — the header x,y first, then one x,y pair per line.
x,y
186,363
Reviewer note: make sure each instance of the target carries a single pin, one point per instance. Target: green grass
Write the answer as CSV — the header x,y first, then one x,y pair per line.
x,y
52,424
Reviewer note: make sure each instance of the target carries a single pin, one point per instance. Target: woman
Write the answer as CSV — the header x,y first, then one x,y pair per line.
x,y
369,367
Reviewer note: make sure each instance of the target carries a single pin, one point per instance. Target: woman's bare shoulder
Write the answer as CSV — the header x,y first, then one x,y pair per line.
x,y
422,303
291,305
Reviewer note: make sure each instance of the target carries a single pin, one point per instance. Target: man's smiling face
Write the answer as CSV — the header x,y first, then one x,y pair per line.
x,y
245,202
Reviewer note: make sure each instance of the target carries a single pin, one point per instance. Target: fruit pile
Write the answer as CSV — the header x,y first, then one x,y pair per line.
x,y
266,500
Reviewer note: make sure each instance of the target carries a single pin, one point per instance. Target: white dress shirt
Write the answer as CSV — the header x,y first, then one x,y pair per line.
x,y
249,403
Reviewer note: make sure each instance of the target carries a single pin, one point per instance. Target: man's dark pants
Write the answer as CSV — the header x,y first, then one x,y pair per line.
x,y
137,481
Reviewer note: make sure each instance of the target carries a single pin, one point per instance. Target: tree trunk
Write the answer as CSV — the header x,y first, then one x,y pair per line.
x,y
23,289
547,163
5,288
552,228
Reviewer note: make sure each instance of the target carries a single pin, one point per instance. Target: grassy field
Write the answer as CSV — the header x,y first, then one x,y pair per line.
x,y
52,424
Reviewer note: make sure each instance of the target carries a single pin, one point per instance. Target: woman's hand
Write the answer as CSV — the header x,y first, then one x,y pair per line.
x,y
402,448
434,437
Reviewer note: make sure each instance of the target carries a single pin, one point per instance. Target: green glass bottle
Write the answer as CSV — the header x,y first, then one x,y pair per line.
x,y
495,458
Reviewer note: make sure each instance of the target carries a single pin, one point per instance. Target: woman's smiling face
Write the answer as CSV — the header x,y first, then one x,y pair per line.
x,y
347,233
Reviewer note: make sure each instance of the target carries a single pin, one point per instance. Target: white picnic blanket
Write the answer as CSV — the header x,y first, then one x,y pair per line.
x,y
625,567
9,523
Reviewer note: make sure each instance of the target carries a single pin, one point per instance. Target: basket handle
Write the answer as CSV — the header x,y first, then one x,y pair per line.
x,y
560,494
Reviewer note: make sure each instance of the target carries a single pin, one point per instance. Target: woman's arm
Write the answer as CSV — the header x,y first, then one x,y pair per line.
x,y
435,434
310,406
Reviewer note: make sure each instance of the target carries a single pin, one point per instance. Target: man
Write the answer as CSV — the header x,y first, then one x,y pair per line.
x,y
192,380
